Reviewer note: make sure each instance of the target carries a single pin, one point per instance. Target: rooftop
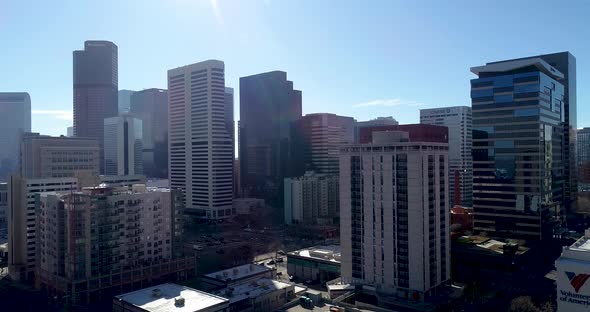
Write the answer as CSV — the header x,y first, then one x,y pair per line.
x,y
161,298
491,246
327,253
239,272
252,289
580,250
510,65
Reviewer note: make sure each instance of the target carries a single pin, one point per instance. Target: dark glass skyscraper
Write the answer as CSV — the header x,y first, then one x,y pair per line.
x,y
95,89
565,62
519,163
15,120
583,157
151,106
268,106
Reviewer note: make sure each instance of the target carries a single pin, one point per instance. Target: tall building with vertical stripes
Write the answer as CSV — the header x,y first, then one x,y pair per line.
x,y
200,141
394,212
458,120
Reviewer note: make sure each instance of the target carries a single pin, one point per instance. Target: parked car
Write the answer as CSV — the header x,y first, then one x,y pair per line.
x,y
271,262
197,247
280,252
279,260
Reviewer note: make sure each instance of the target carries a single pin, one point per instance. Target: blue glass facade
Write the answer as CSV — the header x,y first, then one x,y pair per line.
x,y
518,167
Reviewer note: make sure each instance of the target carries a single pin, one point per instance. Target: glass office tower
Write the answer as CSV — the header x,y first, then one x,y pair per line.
x,y
518,135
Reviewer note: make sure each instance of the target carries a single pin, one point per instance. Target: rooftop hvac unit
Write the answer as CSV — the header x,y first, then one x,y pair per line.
x,y
179,301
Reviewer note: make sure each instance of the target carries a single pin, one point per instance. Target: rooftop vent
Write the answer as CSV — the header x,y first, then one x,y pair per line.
x,y
179,301
156,292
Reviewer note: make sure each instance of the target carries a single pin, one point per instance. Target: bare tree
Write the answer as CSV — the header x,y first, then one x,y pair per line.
x,y
523,304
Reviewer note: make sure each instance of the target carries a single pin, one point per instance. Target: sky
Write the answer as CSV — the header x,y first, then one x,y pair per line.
x,y
362,59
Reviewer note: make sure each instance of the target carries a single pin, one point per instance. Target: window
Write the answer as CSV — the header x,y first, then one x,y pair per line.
x,y
526,112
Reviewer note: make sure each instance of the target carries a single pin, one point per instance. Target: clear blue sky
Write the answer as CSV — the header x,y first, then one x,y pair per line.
x,y
391,57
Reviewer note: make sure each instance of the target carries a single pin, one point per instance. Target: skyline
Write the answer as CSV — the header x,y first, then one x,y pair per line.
x,y
384,68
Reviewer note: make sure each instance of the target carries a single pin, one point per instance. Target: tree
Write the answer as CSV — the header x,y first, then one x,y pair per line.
x,y
523,304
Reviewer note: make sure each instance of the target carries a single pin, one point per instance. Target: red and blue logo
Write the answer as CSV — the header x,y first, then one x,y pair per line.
x,y
577,281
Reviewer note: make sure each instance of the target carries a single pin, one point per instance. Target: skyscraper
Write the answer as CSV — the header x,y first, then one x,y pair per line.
x,y
200,143
44,156
123,145
317,139
151,106
95,89
394,212
583,156
15,119
458,120
565,63
124,101
311,199
268,106
21,216
108,239
519,165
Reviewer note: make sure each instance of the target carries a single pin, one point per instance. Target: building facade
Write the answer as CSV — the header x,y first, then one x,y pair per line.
x,y
519,173
394,214
151,107
15,120
459,121
311,199
124,101
268,106
123,145
95,89
44,156
317,139
318,263
3,204
583,157
573,289
21,213
565,63
200,143
100,232
379,121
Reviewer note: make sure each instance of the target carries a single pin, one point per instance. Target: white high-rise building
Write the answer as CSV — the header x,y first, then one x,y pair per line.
x,y
123,145
21,221
394,215
311,198
200,141
458,120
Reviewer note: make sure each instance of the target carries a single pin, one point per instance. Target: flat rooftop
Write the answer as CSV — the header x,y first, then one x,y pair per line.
x,y
239,272
160,298
252,289
578,251
327,253
488,245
